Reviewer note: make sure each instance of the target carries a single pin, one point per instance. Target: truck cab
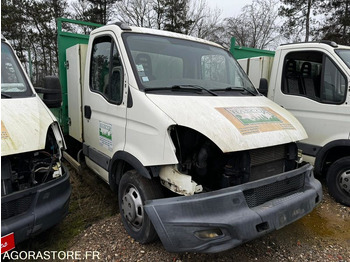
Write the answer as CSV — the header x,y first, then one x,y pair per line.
x,y
35,188
312,81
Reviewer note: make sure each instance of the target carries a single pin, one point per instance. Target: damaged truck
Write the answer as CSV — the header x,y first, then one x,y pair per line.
x,y
198,156
35,188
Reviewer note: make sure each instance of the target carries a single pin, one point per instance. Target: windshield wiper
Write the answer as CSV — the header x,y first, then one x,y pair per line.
x,y
232,88
181,88
5,95
193,87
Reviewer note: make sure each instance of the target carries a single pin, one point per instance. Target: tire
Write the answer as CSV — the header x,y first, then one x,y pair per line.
x,y
134,190
338,180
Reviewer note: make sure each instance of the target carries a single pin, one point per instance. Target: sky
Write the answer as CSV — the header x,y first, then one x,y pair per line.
x,y
228,8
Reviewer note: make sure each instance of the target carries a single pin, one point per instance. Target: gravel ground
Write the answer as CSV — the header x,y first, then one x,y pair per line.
x,y
323,235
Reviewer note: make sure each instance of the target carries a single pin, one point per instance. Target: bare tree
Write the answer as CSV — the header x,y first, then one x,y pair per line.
x,y
137,12
80,7
256,25
207,23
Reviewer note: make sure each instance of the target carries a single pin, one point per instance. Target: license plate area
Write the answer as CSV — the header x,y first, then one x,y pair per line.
x,y
7,243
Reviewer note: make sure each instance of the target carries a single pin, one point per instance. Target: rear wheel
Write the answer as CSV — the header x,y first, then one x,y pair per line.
x,y
134,190
338,180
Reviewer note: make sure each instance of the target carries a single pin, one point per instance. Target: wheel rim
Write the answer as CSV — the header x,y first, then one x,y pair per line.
x,y
132,207
344,181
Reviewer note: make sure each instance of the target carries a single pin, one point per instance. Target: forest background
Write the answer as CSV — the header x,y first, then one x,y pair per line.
x,y
30,25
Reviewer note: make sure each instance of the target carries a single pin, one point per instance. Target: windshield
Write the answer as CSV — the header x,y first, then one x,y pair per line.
x,y
344,55
163,63
13,82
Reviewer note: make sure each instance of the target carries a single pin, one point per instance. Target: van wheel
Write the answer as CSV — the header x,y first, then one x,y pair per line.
x,y
338,180
134,190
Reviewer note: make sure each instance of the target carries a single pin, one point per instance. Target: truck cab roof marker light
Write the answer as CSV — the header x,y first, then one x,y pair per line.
x,y
122,25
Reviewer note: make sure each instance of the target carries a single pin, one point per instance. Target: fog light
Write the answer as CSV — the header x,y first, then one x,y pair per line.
x,y
209,233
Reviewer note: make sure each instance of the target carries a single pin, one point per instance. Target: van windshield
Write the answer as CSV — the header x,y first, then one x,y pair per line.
x,y
166,63
13,82
344,55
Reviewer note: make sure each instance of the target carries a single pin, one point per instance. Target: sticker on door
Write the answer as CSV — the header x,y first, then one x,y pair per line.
x,y
105,135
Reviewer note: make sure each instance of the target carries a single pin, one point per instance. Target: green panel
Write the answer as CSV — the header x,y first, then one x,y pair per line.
x,y
240,52
65,40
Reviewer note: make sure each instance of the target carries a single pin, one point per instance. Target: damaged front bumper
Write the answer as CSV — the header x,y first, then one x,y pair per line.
x,y
223,219
36,209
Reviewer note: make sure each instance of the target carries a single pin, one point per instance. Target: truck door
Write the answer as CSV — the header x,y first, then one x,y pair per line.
x,y
104,105
314,89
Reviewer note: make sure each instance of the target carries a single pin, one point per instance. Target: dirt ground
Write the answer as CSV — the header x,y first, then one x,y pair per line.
x,y
94,224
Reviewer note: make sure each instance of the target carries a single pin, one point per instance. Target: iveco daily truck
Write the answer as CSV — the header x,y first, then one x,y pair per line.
x,y
312,81
35,188
198,156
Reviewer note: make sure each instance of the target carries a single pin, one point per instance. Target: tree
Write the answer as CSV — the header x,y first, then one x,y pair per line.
x,y
96,11
137,12
298,14
256,25
202,21
176,16
30,33
14,25
336,25
206,22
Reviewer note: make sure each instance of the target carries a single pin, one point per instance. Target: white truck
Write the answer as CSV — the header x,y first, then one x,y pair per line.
x,y
198,156
35,188
312,81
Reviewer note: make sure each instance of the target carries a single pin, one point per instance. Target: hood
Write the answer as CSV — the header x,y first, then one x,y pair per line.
x,y
233,123
24,125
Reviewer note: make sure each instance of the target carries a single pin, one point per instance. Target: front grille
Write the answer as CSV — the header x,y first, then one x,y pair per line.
x,y
260,195
266,162
267,154
16,207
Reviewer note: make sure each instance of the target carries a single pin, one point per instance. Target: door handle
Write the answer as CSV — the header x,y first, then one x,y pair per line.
x,y
87,112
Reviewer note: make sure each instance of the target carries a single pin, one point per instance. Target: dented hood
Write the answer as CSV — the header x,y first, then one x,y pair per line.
x,y
233,123
24,125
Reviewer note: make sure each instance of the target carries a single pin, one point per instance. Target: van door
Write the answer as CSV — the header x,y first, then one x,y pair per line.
x,y
314,89
104,108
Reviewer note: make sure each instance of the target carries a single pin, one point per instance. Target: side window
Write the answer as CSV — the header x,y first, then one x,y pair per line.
x,y
334,84
106,71
313,75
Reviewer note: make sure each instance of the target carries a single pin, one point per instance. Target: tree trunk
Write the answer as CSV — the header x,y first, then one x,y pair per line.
x,y
307,22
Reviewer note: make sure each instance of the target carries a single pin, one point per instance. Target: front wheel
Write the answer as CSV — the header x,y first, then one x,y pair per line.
x,y
338,180
134,190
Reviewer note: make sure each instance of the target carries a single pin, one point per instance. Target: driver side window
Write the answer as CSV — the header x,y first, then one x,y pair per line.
x,y
313,75
106,70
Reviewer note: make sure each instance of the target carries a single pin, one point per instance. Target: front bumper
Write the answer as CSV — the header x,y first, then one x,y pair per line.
x,y
39,208
240,213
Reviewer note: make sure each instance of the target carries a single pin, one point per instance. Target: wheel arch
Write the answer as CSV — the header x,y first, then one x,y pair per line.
x,y
330,153
120,163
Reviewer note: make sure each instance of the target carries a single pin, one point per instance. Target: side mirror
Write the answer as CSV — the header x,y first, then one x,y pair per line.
x,y
263,86
52,95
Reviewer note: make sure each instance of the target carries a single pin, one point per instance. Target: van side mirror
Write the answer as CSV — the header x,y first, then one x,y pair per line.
x,y
263,86
52,94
